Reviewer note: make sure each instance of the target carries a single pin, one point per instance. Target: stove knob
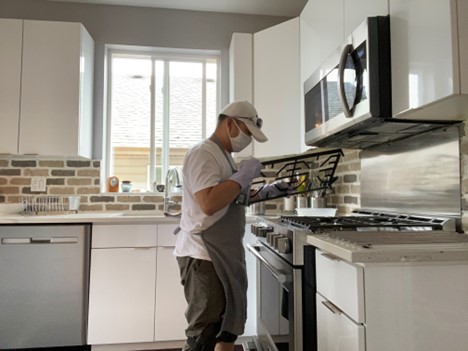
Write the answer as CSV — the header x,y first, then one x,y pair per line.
x,y
262,232
270,238
284,245
276,238
254,228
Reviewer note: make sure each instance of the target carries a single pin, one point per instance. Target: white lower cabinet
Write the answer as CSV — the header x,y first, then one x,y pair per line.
x,y
336,331
121,307
391,306
340,305
135,291
170,320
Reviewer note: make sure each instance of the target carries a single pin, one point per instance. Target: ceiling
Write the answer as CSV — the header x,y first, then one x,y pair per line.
x,y
288,8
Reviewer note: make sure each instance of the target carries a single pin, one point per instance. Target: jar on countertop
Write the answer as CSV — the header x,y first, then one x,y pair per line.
x,y
126,186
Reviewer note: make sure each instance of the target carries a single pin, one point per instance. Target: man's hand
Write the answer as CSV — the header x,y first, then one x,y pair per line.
x,y
248,171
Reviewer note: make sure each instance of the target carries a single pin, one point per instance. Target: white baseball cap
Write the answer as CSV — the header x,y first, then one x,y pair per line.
x,y
246,113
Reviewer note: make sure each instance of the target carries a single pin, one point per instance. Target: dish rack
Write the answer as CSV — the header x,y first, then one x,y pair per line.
x,y
43,205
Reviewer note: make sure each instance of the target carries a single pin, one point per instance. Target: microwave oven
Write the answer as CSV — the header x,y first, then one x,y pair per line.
x,y
348,99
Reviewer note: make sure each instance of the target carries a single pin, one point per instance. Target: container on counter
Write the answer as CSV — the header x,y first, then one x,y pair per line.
x,y
126,186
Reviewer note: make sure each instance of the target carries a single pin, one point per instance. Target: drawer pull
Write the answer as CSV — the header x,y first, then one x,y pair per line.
x,y
331,257
331,307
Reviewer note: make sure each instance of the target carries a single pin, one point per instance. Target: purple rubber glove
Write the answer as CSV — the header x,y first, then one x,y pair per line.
x,y
269,191
248,170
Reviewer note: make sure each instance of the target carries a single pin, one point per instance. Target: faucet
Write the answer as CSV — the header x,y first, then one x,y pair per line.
x,y
171,176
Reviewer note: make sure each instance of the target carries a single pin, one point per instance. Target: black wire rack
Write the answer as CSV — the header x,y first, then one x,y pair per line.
x,y
312,172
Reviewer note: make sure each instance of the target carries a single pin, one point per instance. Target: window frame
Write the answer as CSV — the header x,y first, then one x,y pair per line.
x,y
155,54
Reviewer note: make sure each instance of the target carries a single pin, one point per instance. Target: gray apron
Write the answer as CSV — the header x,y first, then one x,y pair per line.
x,y
223,240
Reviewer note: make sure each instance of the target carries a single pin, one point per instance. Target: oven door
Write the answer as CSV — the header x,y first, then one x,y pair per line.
x,y
279,302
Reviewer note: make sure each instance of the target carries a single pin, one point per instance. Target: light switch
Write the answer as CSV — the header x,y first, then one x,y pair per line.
x,y
38,184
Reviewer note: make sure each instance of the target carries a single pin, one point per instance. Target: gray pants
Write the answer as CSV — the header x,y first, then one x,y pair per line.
x,y
206,302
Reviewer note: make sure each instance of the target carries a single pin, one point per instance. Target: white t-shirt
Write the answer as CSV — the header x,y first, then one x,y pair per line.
x,y
204,166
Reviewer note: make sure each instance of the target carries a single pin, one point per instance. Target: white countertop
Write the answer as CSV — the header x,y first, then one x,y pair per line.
x,y
425,252
95,217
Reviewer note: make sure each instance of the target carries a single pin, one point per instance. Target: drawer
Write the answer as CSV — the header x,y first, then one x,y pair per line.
x,y
124,235
336,331
341,283
166,235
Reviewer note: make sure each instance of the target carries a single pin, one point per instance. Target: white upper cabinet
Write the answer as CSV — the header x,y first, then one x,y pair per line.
x,y
56,93
10,83
241,75
429,58
356,11
321,32
46,90
326,23
276,88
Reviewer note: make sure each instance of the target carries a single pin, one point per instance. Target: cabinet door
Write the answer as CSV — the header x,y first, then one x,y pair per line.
x,y
50,88
423,57
121,299
357,11
336,331
170,320
241,74
276,88
321,33
342,284
10,73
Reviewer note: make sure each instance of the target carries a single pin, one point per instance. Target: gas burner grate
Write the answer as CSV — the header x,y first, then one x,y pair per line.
x,y
357,222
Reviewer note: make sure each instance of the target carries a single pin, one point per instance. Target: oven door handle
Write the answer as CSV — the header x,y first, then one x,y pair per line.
x,y
279,276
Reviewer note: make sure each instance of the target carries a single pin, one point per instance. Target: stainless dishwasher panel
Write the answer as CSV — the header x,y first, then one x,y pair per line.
x,y
44,275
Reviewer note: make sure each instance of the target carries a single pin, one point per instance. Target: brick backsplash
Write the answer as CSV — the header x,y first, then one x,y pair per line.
x,y
347,189
67,177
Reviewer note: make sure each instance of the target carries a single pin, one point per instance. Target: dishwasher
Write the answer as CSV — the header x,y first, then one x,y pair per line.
x,y
44,277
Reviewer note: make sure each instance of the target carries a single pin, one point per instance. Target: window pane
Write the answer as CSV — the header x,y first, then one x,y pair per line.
x,y
211,97
130,119
185,108
182,109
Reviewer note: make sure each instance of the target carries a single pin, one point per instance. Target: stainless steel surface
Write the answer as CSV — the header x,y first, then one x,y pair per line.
x,y
281,277
279,292
419,176
172,185
44,271
372,122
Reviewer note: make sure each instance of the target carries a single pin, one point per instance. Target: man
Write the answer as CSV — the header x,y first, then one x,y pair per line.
x,y
209,248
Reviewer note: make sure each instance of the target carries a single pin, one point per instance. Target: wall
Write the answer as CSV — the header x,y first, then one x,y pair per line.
x,y
346,190
125,25
67,177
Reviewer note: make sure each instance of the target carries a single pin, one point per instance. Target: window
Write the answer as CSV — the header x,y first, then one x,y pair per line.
x,y
161,104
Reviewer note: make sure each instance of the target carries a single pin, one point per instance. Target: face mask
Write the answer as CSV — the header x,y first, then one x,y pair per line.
x,y
241,141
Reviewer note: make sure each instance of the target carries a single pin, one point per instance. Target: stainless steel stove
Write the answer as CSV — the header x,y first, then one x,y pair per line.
x,y
286,251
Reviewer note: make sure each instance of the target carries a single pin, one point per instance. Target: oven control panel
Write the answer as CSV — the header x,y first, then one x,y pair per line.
x,y
278,241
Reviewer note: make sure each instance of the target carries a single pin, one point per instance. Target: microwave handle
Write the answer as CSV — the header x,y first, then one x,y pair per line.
x,y
341,67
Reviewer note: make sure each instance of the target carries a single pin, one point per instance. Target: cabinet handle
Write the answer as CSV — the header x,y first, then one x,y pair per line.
x,y
331,307
279,276
331,257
